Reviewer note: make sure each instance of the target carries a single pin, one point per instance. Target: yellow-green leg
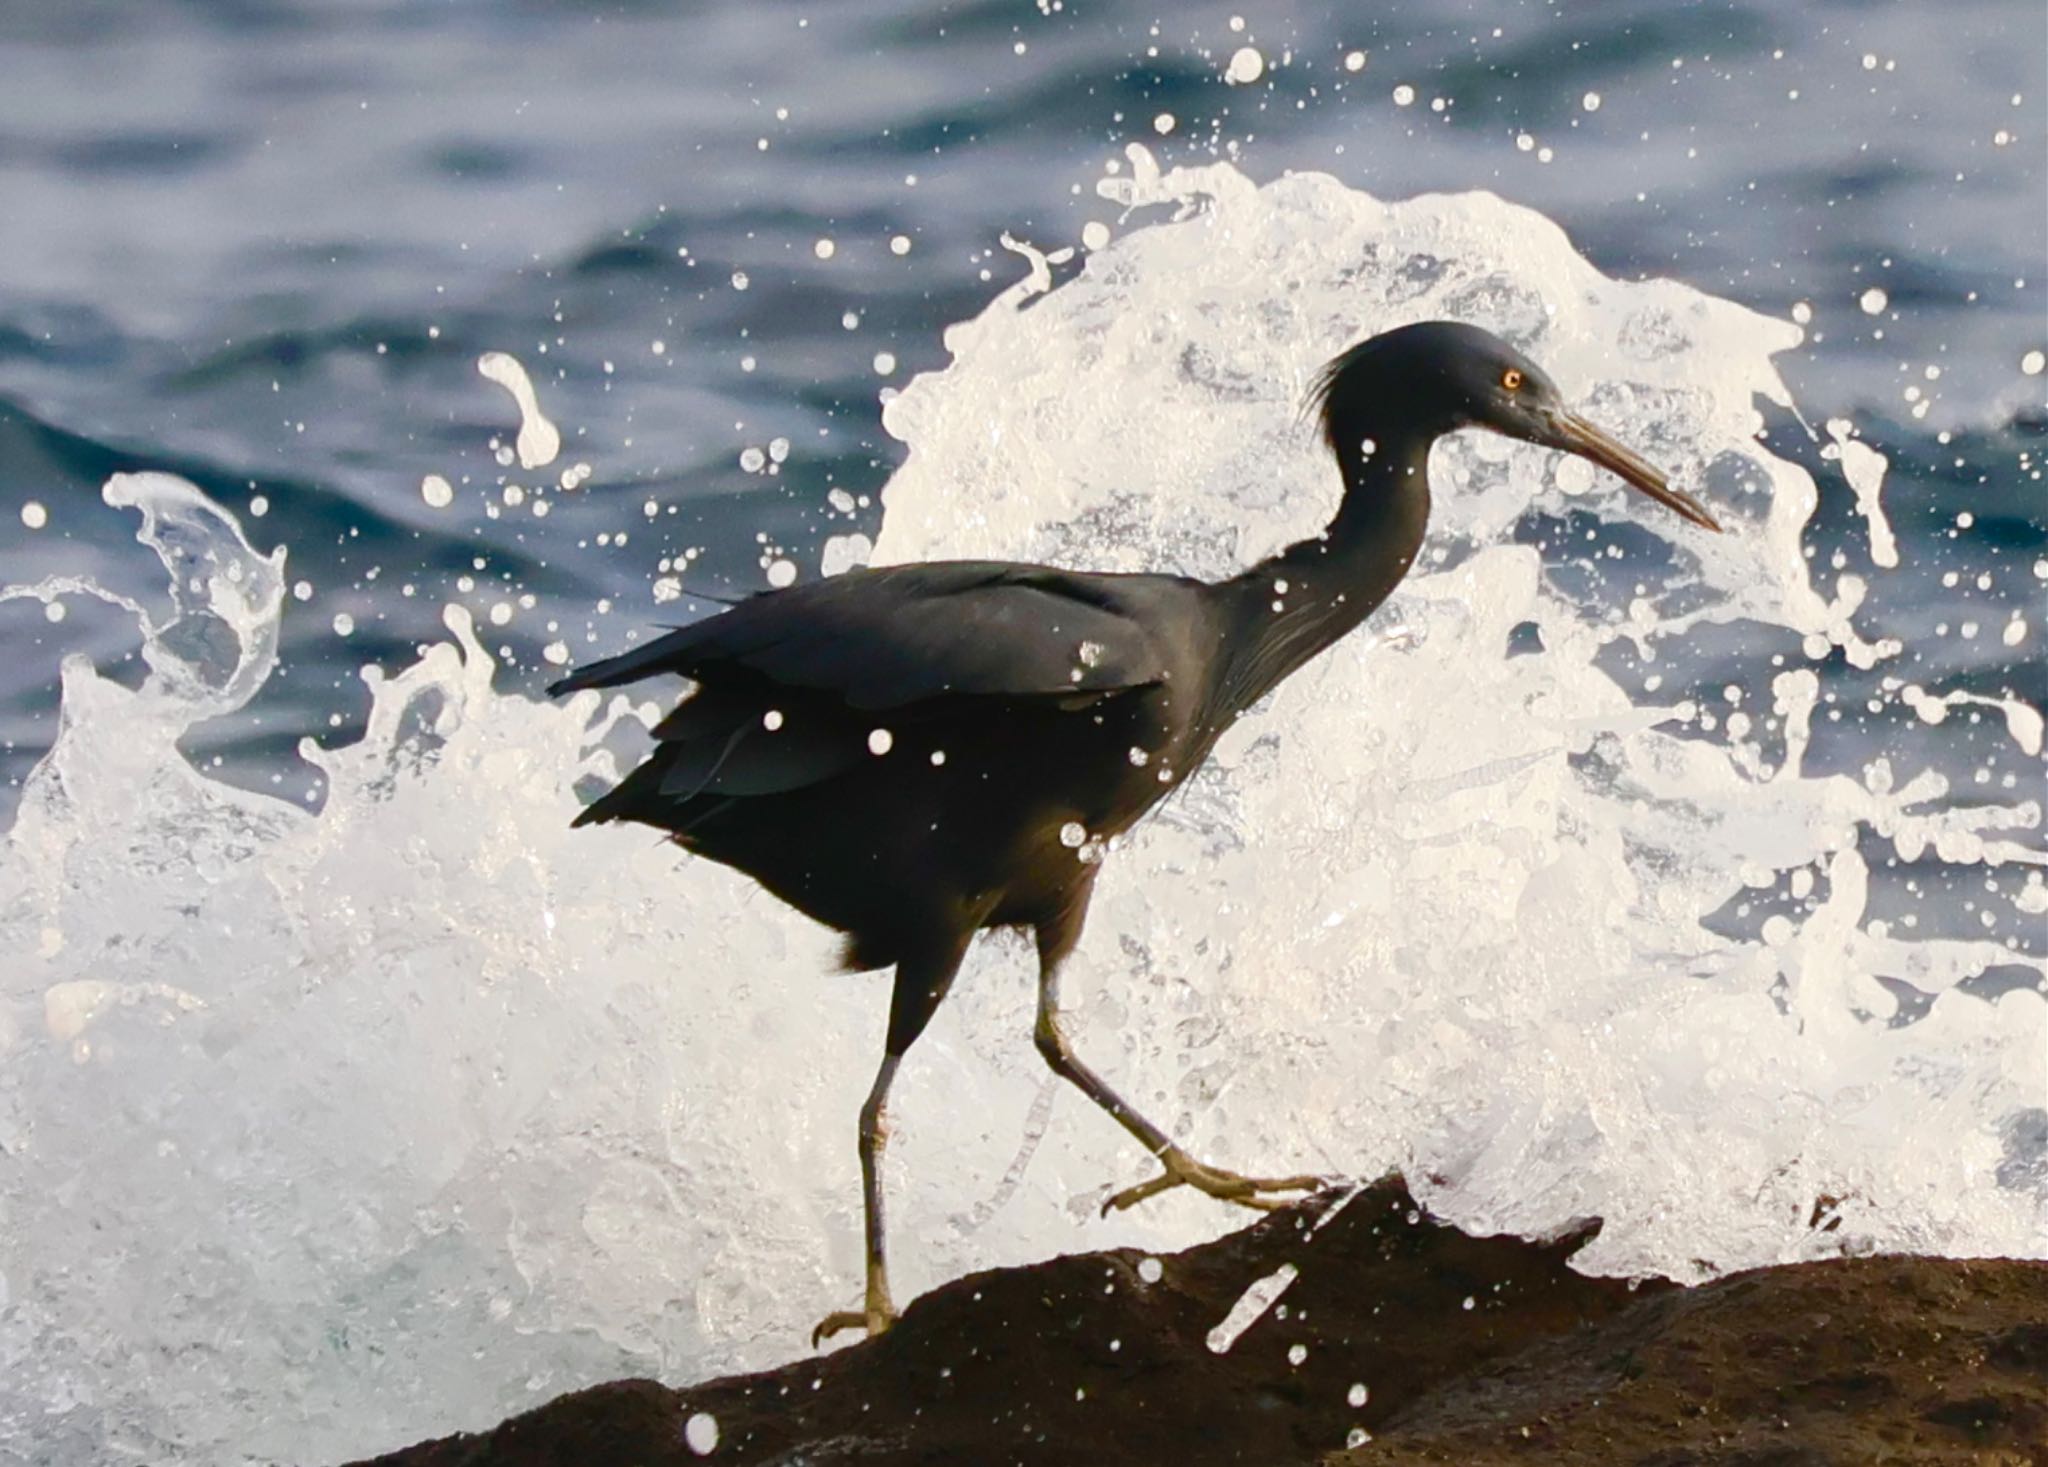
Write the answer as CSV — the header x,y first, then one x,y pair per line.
x,y
1055,940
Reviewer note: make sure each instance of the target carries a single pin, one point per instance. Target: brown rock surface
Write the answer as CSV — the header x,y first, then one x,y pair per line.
x,y
1083,1360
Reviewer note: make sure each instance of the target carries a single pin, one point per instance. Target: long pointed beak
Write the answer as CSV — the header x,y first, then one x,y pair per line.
x,y
1574,434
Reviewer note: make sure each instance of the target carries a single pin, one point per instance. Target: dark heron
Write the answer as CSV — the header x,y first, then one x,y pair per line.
x,y
912,753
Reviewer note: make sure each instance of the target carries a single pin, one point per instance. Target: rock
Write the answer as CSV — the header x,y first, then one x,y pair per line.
x,y
1400,1340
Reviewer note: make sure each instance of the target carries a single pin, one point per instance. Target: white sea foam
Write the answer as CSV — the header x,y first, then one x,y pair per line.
x,y
325,1131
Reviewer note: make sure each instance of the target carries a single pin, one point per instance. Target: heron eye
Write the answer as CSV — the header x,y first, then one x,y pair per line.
x,y
1511,379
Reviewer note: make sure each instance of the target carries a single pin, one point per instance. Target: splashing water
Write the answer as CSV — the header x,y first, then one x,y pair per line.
x,y
325,1131
539,442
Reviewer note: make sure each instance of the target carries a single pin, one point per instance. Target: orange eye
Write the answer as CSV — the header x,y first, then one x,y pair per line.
x,y
1511,379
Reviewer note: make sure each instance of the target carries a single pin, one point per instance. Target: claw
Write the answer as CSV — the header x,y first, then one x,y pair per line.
x,y
1183,1170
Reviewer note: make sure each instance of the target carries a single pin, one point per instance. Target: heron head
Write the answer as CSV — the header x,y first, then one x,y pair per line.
x,y
1437,376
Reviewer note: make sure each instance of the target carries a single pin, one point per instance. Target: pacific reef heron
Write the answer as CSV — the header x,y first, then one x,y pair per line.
x,y
911,753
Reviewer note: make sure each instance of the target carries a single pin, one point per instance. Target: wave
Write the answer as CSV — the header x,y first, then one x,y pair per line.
x,y
330,1129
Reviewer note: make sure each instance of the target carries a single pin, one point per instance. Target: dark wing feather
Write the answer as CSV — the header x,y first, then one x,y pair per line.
x,y
752,760
716,747
817,662
889,638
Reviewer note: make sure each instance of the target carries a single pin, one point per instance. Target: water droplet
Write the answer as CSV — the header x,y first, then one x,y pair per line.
x,y
1151,1270
881,741
1246,67
772,719
1139,757
824,249
1873,301
700,1433
1357,1395
1072,834
34,515
1403,95
539,440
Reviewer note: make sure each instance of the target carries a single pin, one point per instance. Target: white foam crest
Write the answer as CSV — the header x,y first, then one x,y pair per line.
x,y
1452,903
301,1109
327,1131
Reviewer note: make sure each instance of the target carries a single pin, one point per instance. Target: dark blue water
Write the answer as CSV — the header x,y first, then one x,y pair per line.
x,y
261,243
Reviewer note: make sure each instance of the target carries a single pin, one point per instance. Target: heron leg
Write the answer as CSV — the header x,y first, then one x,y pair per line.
x,y
878,1312
1055,940
921,983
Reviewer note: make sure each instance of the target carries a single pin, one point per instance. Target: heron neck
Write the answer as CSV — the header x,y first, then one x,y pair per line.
x,y
1291,606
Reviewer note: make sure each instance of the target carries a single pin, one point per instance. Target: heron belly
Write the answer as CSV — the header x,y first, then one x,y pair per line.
x,y
983,820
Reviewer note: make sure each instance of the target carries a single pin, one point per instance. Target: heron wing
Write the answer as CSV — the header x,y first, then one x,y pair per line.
x,y
891,637
788,683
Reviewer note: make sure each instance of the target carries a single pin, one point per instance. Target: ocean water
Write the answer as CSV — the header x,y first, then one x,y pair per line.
x,y
346,1097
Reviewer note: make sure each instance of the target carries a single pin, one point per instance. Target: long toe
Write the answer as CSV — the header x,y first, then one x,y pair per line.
x,y
1132,1196
1303,1184
836,1321
1226,1186
873,1321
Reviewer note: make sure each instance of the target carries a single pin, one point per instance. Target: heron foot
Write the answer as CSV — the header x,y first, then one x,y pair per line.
x,y
875,1320
1183,1170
